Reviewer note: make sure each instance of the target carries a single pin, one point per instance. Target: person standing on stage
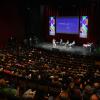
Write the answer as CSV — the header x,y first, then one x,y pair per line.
x,y
54,43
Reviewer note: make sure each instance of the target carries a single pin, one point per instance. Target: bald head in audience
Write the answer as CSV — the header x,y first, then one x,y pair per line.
x,y
94,97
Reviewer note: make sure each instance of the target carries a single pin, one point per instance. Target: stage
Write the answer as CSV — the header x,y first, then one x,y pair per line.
x,y
62,48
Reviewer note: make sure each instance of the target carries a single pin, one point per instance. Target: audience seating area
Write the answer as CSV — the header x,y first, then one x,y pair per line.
x,y
37,74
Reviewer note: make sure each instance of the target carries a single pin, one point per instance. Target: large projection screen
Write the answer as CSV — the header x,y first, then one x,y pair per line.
x,y
67,25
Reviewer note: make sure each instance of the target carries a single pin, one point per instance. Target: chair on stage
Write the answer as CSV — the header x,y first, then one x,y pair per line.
x,y
88,46
71,44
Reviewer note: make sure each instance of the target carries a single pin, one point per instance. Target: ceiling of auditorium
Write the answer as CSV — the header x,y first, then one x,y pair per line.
x,y
65,3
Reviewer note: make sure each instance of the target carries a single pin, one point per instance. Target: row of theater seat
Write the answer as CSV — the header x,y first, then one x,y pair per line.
x,y
53,70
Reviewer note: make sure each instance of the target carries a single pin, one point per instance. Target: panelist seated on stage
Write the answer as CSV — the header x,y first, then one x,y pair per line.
x,y
67,43
71,44
61,41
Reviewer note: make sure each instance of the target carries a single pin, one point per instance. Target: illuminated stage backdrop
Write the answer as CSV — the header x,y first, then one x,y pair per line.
x,y
51,25
83,26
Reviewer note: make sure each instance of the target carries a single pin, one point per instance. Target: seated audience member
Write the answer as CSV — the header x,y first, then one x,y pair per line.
x,y
94,97
64,95
29,94
3,82
75,94
87,92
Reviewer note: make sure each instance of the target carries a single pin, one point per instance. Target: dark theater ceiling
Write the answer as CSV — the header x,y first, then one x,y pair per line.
x,y
65,3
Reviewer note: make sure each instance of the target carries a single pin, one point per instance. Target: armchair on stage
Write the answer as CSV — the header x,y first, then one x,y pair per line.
x,y
87,45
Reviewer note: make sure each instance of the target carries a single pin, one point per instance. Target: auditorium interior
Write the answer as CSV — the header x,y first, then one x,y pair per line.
x,y
49,50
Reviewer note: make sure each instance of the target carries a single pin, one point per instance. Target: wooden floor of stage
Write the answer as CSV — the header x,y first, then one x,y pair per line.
x,y
62,48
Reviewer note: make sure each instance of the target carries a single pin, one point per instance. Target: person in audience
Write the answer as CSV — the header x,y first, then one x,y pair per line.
x,y
49,72
94,97
87,92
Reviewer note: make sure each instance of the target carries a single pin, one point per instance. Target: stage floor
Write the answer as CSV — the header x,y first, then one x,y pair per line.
x,y
75,49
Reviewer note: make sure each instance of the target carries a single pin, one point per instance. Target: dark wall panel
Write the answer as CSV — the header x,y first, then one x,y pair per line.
x,y
11,23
